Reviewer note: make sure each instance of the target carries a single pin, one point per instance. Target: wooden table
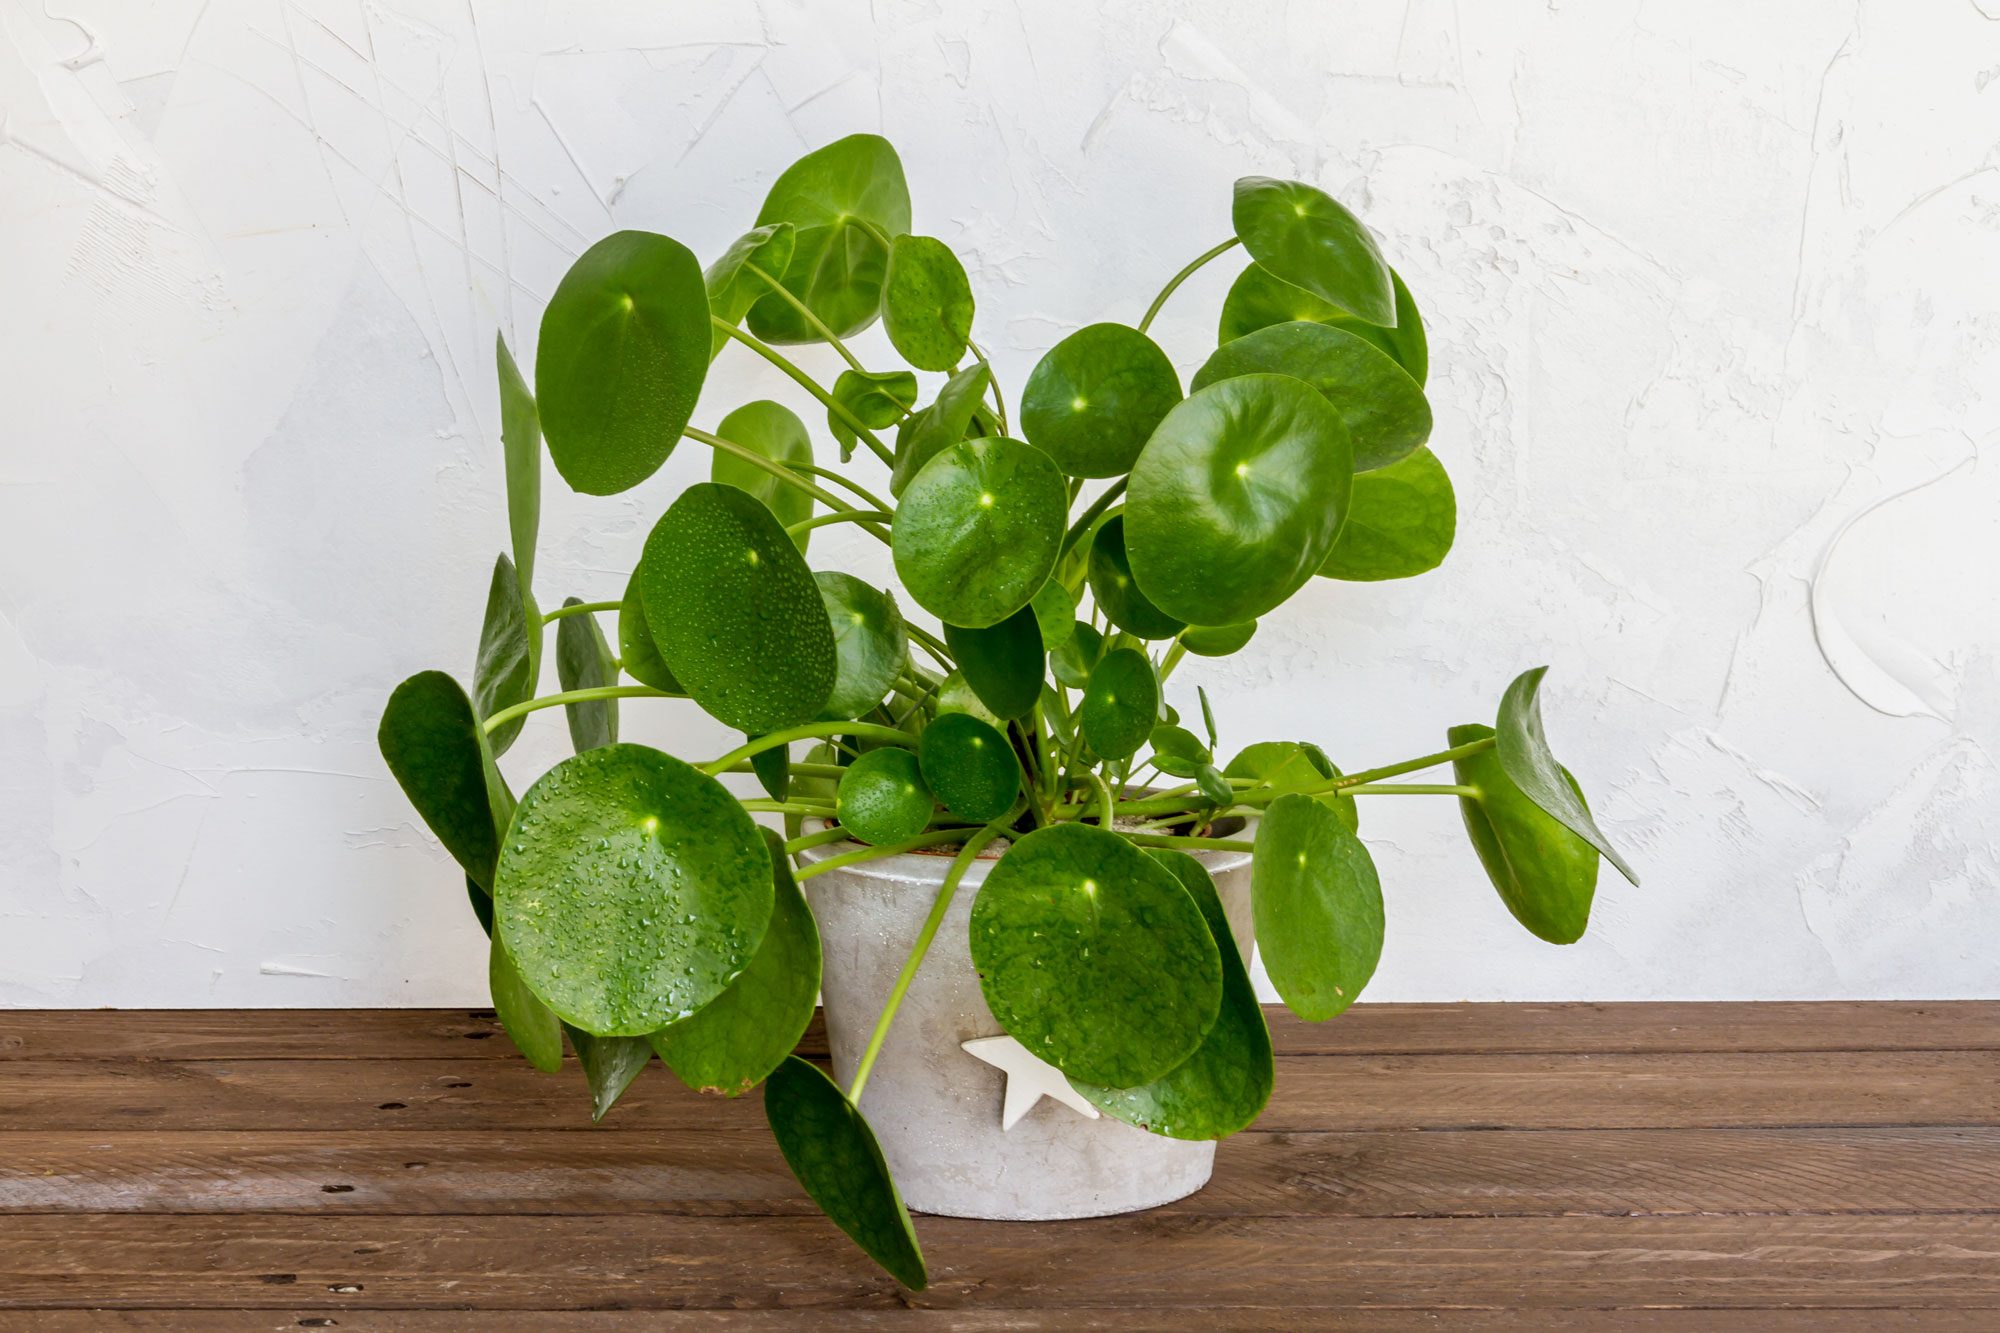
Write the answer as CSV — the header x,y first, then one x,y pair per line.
x,y
1659,1167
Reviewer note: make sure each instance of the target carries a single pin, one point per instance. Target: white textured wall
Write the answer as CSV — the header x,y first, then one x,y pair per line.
x,y
1714,304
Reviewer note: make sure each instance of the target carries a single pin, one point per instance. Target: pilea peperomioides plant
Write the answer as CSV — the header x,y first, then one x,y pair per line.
x,y
634,904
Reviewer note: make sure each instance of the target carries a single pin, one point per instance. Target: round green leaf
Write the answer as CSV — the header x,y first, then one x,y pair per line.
x,y
1301,235
970,766
1283,764
770,430
584,661
744,1033
883,798
878,401
1237,499
1545,874
1524,753
1217,640
1071,661
1385,413
1120,704
632,888
624,348
1225,1084
834,1155
1002,663
839,198
733,287
1117,593
1317,905
1055,614
735,611
1092,955
944,423
1095,398
979,529
531,1025
1258,300
638,654
433,744
1400,522
870,644
927,303
509,661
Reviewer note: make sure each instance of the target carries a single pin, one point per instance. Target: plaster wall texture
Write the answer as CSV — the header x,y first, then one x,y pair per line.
x,y
1714,312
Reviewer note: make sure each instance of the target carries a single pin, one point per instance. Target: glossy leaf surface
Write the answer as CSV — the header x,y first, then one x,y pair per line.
x,y
1545,874
1304,236
870,643
1217,640
1120,704
883,797
531,1025
1257,300
772,431
927,303
732,286
1093,400
1072,660
509,661
1282,764
1400,522
970,767
1384,410
639,656
979,529
1118,594
944,423
610,1064
1317,905
1055,614
432,741
1002,663
1524,753
584,661
838,198
1177,751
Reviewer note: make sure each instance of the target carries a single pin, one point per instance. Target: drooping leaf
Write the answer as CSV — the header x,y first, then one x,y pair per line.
x,y
1384,410
736,613
531,1025
883,798
733,281
878,401
1093,400
432,741
509,661
979,529
1237,499
870,644
740,1036
1400,522
610,1064
1120,704
1225,1084
1177,751
584,661
770,430
1257,300
632,888
639,655
1303,236
521,441
842,199
926,303
624,349
1092,955
773,769
1214,786
1071,661
1282,764
944,423
1217,640
1524,753
1317,905
1002,662
1118,594
970,767
1545,874
833,1153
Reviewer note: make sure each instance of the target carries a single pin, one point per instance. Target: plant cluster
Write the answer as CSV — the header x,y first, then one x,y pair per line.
x,y
635,906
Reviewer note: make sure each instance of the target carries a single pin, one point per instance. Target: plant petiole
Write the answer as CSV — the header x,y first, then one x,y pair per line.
x,y
1179,278
501,716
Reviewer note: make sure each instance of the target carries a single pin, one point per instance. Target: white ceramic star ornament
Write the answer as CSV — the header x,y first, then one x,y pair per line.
x,y
1029,1079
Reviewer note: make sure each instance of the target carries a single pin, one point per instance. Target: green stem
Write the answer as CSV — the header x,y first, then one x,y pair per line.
x,y
1180,278
581,608
784,474
505,715
805,313
1411,789
1263,796
959,865
844,516
860,854
819,839
919,701
1190,844
1173,659
806,382
993,384
867,496
811,731
932,644
1091,515
1465,751
787,807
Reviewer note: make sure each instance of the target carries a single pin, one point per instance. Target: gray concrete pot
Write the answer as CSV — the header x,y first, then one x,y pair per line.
x,y
936,1109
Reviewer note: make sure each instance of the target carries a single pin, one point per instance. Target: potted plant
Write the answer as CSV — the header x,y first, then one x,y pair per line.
x,y
1010,790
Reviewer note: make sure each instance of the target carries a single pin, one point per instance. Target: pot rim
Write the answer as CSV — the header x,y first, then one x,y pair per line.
x,y
927,866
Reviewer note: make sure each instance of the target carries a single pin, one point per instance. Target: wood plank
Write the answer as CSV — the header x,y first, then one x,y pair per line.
x,y
1708,1090
1612,1173
1148,1260
339,1034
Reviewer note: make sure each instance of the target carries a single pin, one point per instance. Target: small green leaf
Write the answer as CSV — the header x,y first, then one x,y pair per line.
x,y
1317,905
839,198
1002,663
970,766
531,1025
1177,751
624,348
1214,786
509,661
926,303
632,888
1225,1084
979,529
1524,753
733,288
521,441
1545,874
1071,661
878,401
584,661
883,798
1120,704
432,741
610,1064
833,1153
1055,614
1094,399
870,644
736,613
1400,522
1384,410
639,655
1217,640
1284,764
770,430
944,423
1301,235
1118,594
1092,955
1257,300
1207,713
740,1036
